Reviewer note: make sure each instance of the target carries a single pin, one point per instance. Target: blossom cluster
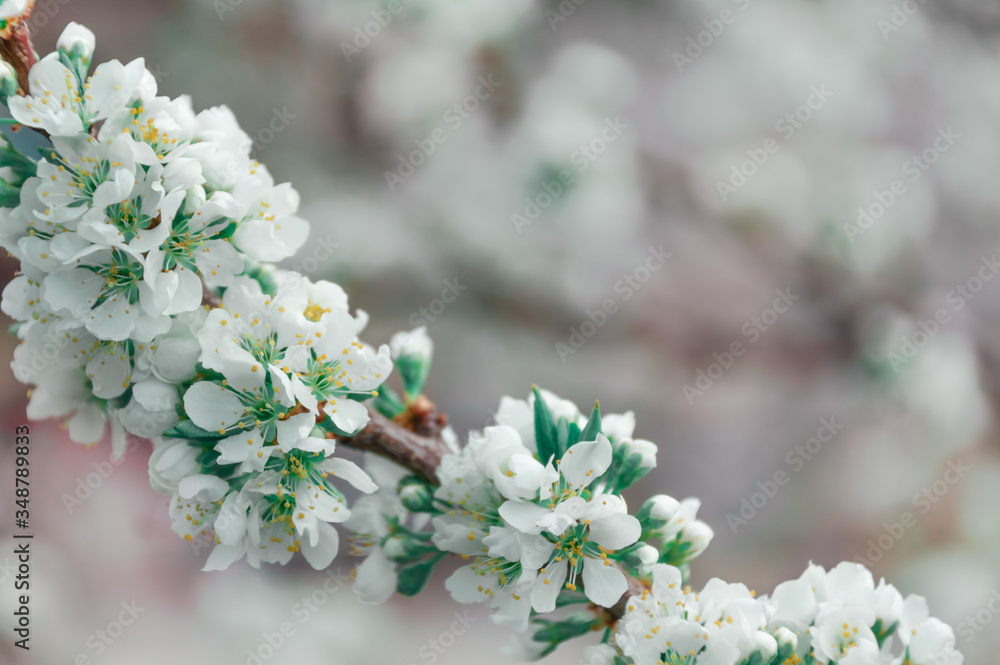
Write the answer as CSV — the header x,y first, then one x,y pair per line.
x,y
837,616
139,208
146,301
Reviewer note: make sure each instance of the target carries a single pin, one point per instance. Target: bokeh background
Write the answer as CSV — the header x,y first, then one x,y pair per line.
x,y
836,100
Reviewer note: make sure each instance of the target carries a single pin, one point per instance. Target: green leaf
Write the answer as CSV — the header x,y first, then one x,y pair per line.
x,y
412,579
186,429
546,435
593,427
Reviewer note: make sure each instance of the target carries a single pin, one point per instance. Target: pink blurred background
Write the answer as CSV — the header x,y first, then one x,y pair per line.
x,y
334,119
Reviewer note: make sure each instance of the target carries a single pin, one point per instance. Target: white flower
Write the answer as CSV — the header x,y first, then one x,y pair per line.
x,y
683,534
62,105
172,461
13,8
663,507
416,344
841,631
77,40
520,414
267,226
535,549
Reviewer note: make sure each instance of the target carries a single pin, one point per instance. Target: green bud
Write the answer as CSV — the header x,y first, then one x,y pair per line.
x,y
412,353
417,496
8,79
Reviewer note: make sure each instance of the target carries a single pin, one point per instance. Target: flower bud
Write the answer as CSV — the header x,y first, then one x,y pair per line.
x,y
699,535
10,9
416,495
8,79
77,41
644,558
766,644
395,549
647,449
785,636
663,507
412,352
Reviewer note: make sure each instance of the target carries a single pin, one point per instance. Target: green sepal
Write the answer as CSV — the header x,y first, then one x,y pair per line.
x,y
555,633
783,654
20,164
573,435
412,579
416,494
883,634
10,196
186,429
756,658
631,471
413,371
388,402
593,427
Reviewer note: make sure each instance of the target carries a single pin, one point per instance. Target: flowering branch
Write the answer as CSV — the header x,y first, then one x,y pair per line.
x,y
148,303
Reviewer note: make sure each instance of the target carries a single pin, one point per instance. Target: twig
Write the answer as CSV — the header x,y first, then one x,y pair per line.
x,y
416,452
16,48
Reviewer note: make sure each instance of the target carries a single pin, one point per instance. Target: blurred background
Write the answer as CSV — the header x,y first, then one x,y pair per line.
x,y
769,227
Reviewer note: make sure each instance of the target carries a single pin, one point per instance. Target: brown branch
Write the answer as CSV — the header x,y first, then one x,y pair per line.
x,y
422,416
418,453
16,48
